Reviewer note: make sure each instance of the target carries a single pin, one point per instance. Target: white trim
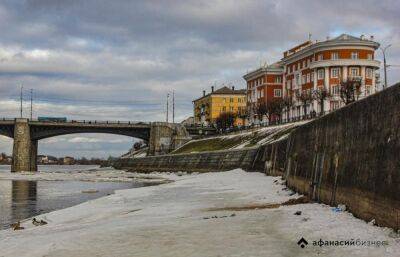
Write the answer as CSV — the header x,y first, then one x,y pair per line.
x,y
345,62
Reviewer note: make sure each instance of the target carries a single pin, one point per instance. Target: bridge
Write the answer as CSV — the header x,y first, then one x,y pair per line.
x,y
161,137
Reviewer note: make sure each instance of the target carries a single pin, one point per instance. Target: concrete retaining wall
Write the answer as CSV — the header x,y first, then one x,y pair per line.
x,y
352,157
192,162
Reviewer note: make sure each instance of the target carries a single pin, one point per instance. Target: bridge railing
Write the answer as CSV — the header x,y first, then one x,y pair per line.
x,y
6,119
93,122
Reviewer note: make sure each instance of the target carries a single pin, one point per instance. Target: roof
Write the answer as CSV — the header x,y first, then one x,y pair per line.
x,y
275,67
224,91
343,39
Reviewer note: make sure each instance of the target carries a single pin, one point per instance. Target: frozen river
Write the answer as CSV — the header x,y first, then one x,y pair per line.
x,y
24,198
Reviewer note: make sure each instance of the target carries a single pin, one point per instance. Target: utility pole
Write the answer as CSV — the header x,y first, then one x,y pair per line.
x,y
384,63
167,106
20,100
173,106
31,103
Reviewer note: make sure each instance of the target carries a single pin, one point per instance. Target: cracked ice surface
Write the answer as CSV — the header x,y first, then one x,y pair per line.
x,y
173,220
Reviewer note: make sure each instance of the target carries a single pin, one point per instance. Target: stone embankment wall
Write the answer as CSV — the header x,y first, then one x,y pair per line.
x,y
352,157
192,162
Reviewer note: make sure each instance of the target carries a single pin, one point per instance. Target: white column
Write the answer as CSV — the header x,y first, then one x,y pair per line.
x,y
344,70
327,87
315,102
373,86
326,84
362,81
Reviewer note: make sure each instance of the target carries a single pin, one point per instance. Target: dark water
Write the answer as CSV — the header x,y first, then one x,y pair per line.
x,y
21,199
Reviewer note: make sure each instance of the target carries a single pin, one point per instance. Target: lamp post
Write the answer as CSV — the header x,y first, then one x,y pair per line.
x,y
384,62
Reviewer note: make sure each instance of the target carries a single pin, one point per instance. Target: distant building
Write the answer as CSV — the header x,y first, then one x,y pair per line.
x,y
47,159
188,121
5,159
210,106
68,160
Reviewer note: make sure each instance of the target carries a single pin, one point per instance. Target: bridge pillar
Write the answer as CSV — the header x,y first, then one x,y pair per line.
x,y
166,137
33,155
23,147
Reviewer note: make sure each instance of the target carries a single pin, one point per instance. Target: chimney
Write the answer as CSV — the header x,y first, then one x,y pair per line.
x,y
212,89
233,88
204,93
362,37
371,38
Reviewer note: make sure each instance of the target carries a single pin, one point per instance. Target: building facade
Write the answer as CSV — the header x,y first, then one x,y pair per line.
x,y
313,67
264,85
210,106
322,66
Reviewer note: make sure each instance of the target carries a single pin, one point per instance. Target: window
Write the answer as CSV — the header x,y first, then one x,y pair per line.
x,y
321,74
231,99
320,57
354,72
369,56
231,108
308,62
308,77
297,79
277,92
354,55
262,93
304,63
312,77
223,108
298,66
334,72
303,79
334,56
368,72
278,80
223,100
335,90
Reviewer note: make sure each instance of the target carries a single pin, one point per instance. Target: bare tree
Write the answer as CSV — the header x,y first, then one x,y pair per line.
x,y
350,90
225,120
287,103
261,110
275,108
305,97
320,95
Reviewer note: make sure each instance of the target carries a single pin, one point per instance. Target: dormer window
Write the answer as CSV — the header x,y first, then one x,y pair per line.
x,y
320,57
369,56
354,55
334,56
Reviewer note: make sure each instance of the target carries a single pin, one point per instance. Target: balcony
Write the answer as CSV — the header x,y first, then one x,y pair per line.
x,y
345,62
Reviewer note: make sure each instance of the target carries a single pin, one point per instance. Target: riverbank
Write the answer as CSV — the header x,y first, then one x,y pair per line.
x,y
230,213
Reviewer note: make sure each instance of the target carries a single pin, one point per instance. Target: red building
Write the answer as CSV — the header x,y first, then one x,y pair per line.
x,y
264,85
314,67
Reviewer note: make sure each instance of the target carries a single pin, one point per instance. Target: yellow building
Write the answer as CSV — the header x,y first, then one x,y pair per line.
x,y
224,100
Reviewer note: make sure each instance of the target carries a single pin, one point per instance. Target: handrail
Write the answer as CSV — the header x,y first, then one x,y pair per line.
x,y
97,122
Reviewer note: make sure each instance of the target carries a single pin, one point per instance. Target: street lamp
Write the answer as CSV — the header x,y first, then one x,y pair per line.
x,y
384,62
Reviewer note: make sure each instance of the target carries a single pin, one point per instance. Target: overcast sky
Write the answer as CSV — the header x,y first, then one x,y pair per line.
x,y
116,60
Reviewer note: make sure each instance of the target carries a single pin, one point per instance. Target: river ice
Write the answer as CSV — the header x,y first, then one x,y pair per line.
x,y
180,219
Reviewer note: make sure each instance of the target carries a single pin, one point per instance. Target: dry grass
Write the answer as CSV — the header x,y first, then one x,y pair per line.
x,y
299,200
